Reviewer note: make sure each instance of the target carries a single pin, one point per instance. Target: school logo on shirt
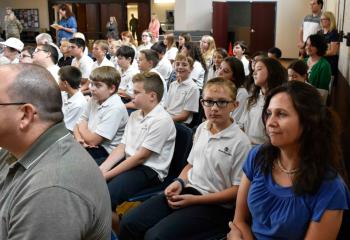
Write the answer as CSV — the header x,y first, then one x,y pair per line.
x,y
226,151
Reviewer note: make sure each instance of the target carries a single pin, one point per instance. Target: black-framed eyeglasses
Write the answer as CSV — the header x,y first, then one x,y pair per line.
x,y
13,103
219,103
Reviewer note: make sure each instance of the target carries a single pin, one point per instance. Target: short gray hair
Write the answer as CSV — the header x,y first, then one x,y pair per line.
x,y
45,37
35,85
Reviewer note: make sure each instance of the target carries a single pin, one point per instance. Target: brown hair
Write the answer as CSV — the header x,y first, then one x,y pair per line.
x,y
106,74
221,82
151,83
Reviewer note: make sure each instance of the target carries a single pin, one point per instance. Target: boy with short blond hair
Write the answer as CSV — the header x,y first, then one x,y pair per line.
x,y
102,124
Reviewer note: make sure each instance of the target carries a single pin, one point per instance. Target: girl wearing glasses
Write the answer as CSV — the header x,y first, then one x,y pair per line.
x,y
268,74
26,55
200,200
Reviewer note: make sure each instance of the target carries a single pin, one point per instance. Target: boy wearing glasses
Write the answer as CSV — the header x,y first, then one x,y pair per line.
x,y
147,144
183,95
102,124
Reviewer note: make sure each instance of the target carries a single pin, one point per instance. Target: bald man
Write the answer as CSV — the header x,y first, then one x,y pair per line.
x,y
50,188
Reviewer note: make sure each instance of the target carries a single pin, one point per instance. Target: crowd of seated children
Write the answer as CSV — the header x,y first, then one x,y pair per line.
x,y
143,157
232,70
291,187
74,105
101,126
125,57
268,74
183,96
203,196
218,56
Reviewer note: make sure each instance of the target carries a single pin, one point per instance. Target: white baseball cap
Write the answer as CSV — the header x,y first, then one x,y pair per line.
x,y
13,43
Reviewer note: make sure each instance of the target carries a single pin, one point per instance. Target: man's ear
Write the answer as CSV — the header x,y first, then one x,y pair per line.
x,y
29,113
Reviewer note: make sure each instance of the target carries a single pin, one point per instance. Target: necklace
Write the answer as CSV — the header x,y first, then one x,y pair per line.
x,y
289,172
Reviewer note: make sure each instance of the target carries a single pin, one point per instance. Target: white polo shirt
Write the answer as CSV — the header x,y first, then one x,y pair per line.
x,y
84,64
242,97
251,121
156,132
217,159
165,92
126,83
72,109
165,68
53,69
182,96
107,120
105,62
171,53
245,62
198,74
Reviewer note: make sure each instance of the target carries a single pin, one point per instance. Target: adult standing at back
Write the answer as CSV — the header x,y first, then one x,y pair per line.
x,y
311,23
68,24
153,27
331,36
13,26
133,24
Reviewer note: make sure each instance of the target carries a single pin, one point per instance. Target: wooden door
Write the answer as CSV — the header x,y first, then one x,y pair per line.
x,y
220,20
93,25
263,26
144,17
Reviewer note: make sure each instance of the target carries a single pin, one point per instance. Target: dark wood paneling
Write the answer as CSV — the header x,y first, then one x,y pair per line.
x,y
220,23
263,24
144,17
93,24
80,12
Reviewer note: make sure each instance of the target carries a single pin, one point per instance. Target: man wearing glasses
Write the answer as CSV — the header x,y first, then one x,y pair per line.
x,y
50,187
46,56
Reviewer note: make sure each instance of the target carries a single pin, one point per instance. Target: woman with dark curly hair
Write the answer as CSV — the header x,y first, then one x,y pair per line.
x,y
319,69
292,186
268,74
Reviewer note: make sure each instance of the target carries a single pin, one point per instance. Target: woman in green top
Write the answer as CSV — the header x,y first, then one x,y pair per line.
x,y
319,70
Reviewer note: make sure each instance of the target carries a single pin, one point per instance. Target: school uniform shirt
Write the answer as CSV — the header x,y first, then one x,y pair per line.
x,y
217,159
72,109
245,62
252,123
241,98
155,132
182,96
108,120
165,68
105,62
53,69
84,64
126,83
198,74
171,53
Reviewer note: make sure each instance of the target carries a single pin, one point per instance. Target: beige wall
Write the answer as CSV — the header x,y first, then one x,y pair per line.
x,y
40,4
161,8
